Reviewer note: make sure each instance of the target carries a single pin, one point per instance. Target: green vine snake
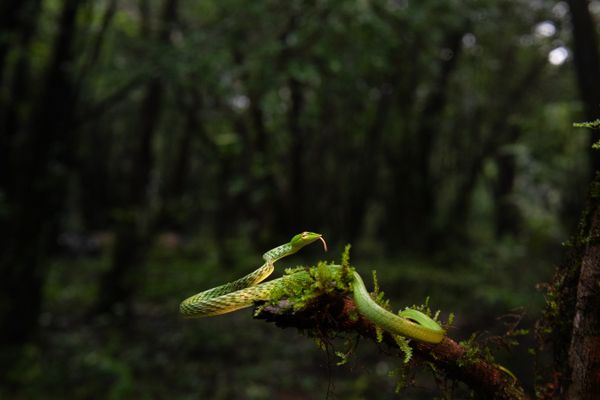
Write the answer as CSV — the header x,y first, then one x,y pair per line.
x,y
247,290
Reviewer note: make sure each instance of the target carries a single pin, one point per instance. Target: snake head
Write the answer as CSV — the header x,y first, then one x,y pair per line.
x,y
305,238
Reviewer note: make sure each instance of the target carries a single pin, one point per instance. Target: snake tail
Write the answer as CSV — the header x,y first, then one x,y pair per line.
x,y
410,323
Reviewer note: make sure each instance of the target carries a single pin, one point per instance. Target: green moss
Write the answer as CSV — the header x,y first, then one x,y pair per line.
x,y
474,352
404,346
308,286
346,256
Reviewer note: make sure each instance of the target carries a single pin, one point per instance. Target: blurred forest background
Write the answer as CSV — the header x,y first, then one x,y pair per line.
x,y
150,149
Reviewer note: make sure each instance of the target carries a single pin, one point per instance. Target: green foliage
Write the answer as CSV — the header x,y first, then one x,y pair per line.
x,y
590,125
241,91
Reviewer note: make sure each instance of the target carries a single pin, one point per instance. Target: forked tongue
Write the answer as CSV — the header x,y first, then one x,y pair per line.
x,y
324,242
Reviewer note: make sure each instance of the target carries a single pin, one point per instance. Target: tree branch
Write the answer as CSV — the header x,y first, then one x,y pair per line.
x,y
328,314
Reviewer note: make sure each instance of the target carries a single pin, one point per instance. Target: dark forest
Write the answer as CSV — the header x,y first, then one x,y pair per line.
x,y
152,149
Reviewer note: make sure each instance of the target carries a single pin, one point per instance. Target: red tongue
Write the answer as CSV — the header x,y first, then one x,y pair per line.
x,y
324,243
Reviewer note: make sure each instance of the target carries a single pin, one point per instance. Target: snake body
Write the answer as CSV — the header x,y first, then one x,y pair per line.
x,y
247,290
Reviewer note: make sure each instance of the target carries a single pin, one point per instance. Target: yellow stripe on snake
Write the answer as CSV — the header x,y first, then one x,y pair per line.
x,y
245,291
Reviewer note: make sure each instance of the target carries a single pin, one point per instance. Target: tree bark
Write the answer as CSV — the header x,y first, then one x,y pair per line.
x,y
571,320
584,350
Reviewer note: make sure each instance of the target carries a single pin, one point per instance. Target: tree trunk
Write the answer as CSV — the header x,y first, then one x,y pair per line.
x,y
133,229
297,176
190,103
35,192
365,170
11,108
506,214
571,321
96,48
15,16
419,205
584,350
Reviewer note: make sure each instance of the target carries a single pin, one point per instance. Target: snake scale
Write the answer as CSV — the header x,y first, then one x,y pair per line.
x,y
247,290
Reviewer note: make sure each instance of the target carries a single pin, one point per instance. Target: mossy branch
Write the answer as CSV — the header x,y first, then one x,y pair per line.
x,y
333,313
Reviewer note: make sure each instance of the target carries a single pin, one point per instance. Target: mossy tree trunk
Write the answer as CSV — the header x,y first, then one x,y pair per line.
x,y
572,319
584,348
